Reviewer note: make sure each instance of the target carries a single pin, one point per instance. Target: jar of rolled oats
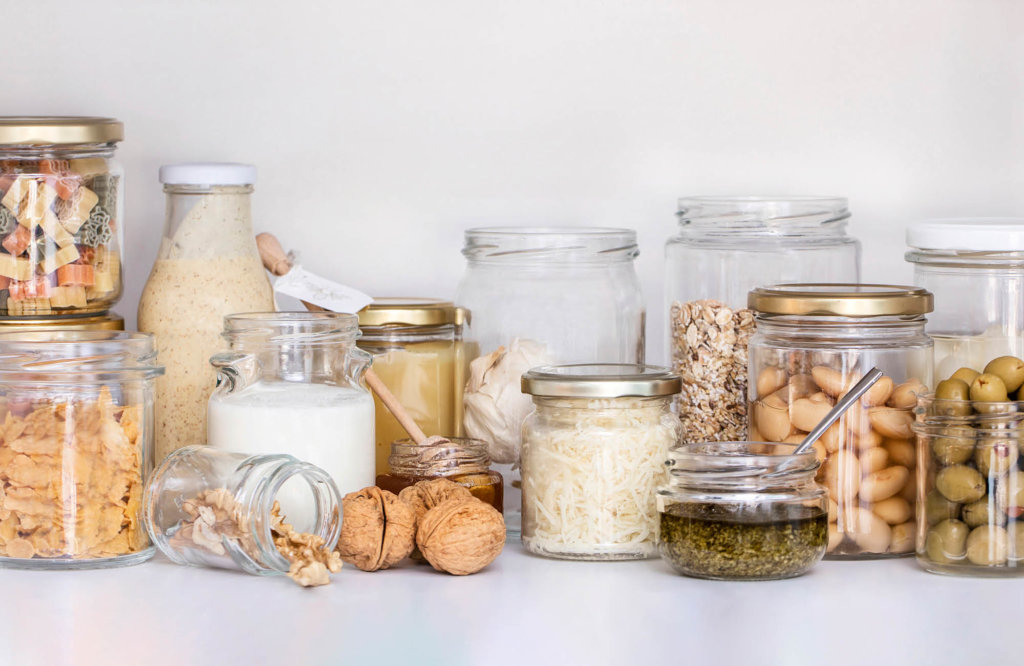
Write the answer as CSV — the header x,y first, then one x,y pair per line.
x,y
77,442
207,507
725,247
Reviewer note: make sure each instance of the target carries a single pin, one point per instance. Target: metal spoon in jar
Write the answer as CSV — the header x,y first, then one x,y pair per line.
x,y
844,403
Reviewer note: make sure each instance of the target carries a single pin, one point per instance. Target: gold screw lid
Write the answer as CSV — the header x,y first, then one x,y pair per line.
x,y
59,130
841,300
411,312
105,322
601,380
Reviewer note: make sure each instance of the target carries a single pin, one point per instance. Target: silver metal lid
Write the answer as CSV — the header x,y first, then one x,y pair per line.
x,y
600,380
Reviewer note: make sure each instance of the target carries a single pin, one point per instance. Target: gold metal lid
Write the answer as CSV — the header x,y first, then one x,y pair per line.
x,y
410,312
840,300
600,380
57,130
105,322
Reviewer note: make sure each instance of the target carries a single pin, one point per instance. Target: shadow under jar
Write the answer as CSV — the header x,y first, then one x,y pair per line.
x,y
971,516
813,343
742,511
726,246
77,448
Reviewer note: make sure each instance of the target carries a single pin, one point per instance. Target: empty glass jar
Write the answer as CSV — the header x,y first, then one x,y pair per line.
x,y
725,247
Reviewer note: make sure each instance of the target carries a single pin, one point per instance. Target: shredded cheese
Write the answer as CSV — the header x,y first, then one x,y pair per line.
x,y
590,472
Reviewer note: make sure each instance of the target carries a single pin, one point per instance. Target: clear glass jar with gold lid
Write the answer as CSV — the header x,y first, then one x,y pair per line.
x,y
418,353
61,228
813,342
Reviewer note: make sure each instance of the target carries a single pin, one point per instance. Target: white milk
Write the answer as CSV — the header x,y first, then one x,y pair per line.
x,y
328,426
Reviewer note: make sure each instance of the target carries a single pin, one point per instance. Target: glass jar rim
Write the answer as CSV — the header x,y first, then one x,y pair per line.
x,y
441,458
740,465
600,380
840,300
764,215
933,414
997,235
67,355
550,244
292,327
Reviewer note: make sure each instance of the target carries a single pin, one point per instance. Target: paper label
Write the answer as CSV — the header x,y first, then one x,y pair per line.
x,y
303,285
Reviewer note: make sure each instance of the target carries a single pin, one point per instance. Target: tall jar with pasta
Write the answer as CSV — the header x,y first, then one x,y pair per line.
x,y
593,455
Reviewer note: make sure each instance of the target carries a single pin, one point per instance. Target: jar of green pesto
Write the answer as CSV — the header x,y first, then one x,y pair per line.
x,y
742,511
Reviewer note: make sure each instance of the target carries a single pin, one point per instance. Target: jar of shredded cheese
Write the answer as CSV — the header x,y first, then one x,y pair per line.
x,y
593,454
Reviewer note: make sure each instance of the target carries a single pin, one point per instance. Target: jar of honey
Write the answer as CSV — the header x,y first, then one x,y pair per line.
x,y
461,460
418,352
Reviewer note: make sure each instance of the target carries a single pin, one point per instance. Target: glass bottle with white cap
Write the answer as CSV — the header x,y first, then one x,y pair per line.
x,y
207,267
975,268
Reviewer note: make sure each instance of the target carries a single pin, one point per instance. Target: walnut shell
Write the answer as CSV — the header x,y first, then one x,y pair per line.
x,y
377,529
461,536
425,495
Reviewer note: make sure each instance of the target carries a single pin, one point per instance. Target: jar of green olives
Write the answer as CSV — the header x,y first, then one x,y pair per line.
x,y
971,474
813,343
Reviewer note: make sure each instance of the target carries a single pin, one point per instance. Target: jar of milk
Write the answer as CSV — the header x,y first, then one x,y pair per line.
x,y
291,383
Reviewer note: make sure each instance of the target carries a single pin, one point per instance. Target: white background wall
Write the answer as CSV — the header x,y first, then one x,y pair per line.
x,y
383,128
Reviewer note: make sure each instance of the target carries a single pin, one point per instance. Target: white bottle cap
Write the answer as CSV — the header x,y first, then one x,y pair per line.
x,y
208,173
978,234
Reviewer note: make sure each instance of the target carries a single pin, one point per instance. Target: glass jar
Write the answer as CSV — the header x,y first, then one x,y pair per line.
x,y
213,508
813,342
77,448
742,511
417,350
207,268
538,296
975,268
593,455
61,231
971,515
460,460
725,247
292,383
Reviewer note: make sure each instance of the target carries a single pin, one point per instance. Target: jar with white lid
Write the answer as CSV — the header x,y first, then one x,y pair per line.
x,y
975,268
594,452
61,223
206,507
291,383
207,268
814,342
726,246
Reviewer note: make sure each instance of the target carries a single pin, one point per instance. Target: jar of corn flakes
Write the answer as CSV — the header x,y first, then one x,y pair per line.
x,y
61,228
75,447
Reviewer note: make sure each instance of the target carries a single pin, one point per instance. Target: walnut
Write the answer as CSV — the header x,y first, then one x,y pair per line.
x,y
425,495
461,536
377,529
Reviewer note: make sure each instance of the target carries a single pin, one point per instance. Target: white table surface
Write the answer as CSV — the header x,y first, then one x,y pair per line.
x,y
521,610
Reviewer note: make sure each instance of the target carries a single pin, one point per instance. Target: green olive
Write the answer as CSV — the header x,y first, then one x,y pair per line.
x,y
952,450
988,388
960,483
1008,368
1010,490
950,393
996,456
966,375
985,511
947,541
937,508
988,545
